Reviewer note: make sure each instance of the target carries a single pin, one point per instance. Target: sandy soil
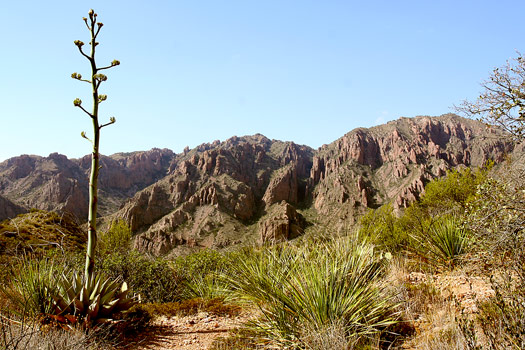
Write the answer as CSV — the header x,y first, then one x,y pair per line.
x,y
195,332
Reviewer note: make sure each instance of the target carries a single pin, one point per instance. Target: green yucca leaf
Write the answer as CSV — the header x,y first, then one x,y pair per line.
x,y
310,287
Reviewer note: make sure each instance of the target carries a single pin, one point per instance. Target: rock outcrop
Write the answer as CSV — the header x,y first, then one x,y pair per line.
x,y
281,224
251,188
393,162
60,184
9,209
234,179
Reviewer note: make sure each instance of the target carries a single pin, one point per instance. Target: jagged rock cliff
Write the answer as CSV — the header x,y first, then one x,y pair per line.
x,y
393,162
253,189
61,184
214,191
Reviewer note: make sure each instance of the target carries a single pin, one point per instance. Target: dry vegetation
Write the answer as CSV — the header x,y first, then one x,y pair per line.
x,y
430,278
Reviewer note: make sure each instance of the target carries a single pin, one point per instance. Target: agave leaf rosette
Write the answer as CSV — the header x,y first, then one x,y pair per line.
x,y
96,299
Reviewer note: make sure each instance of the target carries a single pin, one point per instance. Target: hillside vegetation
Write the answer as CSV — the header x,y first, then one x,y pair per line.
x,y
445,273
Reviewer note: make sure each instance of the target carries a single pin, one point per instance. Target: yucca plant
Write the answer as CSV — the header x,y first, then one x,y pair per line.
x,y
96,299
32,283
443,243
313,287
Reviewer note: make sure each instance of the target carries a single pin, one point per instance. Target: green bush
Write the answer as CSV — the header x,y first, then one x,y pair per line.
x,y
308,289
382,228
116,238
154,279
202,271
453,192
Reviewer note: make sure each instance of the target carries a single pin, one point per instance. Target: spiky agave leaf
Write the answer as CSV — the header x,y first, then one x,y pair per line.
x,y
96,298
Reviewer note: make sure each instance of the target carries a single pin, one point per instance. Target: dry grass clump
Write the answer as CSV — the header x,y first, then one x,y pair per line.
x,y
24,335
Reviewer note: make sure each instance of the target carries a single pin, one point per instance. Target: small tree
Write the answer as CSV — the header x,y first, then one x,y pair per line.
x,y
95,81
502,101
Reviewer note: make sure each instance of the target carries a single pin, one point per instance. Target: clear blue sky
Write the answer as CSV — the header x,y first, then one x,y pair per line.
x,y
196,71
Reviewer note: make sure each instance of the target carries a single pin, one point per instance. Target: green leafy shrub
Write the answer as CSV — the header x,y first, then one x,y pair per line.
x,y
383,228
452,193
309,288
202,271
116,238
154,279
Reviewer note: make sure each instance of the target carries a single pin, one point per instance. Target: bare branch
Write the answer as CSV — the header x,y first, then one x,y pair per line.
x,y
112,120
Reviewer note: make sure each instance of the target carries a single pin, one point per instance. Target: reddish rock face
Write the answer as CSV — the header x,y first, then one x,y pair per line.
x,y
393,162
237,178
248,188
61,184
282,223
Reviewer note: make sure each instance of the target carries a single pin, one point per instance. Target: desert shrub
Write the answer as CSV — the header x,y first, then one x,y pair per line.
x,y
300,290
452,193
154,279
202,271
449,195
501,319
38,231
497,221
116,238
383,228
28,336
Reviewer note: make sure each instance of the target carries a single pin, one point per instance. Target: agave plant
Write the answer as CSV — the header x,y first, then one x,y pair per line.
x,y
94,299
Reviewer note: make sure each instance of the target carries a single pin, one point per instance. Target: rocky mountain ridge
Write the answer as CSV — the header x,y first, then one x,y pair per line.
x,y
251,188
57,183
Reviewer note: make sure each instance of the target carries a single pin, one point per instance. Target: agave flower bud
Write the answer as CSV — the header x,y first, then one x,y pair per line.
x,y
100,77
102,98
115,62
79,43
100,24
112,119
77,102
76,76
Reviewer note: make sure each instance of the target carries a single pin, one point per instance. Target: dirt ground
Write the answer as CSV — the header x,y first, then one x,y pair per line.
x,y
195,332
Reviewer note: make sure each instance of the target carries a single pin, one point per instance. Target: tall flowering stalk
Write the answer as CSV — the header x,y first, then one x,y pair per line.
x,y
95,80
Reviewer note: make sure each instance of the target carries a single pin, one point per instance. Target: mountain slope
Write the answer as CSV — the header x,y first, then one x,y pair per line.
x,y
61,184
249,189
253,189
